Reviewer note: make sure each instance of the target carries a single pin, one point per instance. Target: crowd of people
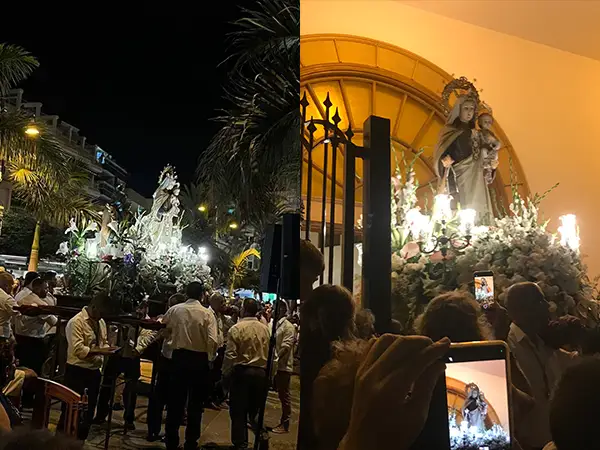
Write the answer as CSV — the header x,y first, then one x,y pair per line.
x,y
382,386
213,353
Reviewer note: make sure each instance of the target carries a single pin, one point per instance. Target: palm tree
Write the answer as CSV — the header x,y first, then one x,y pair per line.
x,y
254,160
42,151
239,269
50,200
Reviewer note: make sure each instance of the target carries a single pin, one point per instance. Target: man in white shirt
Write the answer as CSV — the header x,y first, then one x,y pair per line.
x,y
285,338
30,331
7,303
541,365
160,392
193,336
245,362
87,345
29,277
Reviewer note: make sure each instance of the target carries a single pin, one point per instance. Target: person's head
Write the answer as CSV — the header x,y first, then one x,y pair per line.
x,y
329,313
312,265
235,313
50,278
282,309
365,323
250,308
39,287
141,309
100,306
217,302
574,407
6,282
455,315
29,277
527,307
175,299
196,290
485,121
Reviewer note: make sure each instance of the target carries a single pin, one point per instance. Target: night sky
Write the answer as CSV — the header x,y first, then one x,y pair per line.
x,y
143,86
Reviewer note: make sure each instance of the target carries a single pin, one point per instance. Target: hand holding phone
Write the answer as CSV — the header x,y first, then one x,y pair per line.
x,y
392,392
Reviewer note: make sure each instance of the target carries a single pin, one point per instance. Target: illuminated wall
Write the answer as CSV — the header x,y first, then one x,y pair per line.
x,y
547,100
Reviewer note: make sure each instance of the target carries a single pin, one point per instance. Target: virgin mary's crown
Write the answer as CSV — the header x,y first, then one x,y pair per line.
x,y
461,88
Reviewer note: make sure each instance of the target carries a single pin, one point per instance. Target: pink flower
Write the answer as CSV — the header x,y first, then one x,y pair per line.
x,y
410,250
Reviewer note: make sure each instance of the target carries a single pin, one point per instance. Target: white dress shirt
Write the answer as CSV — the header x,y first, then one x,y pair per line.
x,y
285,338
22,293
191,326
6,313
219,320
543,367
33,326
81,336
50,300
247,345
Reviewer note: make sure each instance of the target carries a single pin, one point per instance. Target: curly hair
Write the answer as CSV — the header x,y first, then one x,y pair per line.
x,y
455,315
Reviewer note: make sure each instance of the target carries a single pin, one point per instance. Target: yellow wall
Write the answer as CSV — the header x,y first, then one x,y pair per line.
x,y
547,100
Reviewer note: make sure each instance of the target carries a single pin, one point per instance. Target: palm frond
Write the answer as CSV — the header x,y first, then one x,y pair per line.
x,y
269,31
16,64
52,200
45,153
254,159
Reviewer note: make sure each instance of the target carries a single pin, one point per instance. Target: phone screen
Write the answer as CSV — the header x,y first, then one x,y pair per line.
x,y
484,287
477,392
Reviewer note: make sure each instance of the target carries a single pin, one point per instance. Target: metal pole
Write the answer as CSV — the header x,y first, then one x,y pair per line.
x,y
377,242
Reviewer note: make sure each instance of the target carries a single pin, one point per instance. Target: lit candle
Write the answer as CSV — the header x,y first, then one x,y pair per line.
x,y
467,220
441,207
569,233
416,222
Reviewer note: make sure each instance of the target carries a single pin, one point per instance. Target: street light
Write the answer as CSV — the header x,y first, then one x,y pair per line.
x,y
202,208
32,130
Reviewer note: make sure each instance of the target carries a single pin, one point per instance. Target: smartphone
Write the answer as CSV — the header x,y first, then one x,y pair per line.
x,y
471,404
484,287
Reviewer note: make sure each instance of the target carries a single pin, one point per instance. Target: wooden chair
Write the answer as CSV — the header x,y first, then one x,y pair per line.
x,y
49,391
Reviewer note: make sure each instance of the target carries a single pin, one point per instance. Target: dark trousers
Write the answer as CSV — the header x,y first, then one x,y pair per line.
x,y
130,368
159,396
246,393
31,353
217,394
80,379
282,384
189,382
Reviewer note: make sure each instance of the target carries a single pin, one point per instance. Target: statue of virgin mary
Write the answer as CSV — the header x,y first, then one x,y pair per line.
x,y
457,161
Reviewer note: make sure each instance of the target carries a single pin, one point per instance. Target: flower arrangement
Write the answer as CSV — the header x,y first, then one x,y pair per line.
x,y
133,260
517,247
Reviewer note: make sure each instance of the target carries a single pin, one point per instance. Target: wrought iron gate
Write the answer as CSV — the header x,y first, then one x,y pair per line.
x,y
376,231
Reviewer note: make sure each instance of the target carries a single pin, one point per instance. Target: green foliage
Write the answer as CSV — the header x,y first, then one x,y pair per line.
x,y
16,64
254,160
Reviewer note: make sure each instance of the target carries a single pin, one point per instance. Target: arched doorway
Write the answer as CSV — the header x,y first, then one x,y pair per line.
x,y
365,77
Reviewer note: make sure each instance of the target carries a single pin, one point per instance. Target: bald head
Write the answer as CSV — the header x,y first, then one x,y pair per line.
x,y
527,306
6,282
